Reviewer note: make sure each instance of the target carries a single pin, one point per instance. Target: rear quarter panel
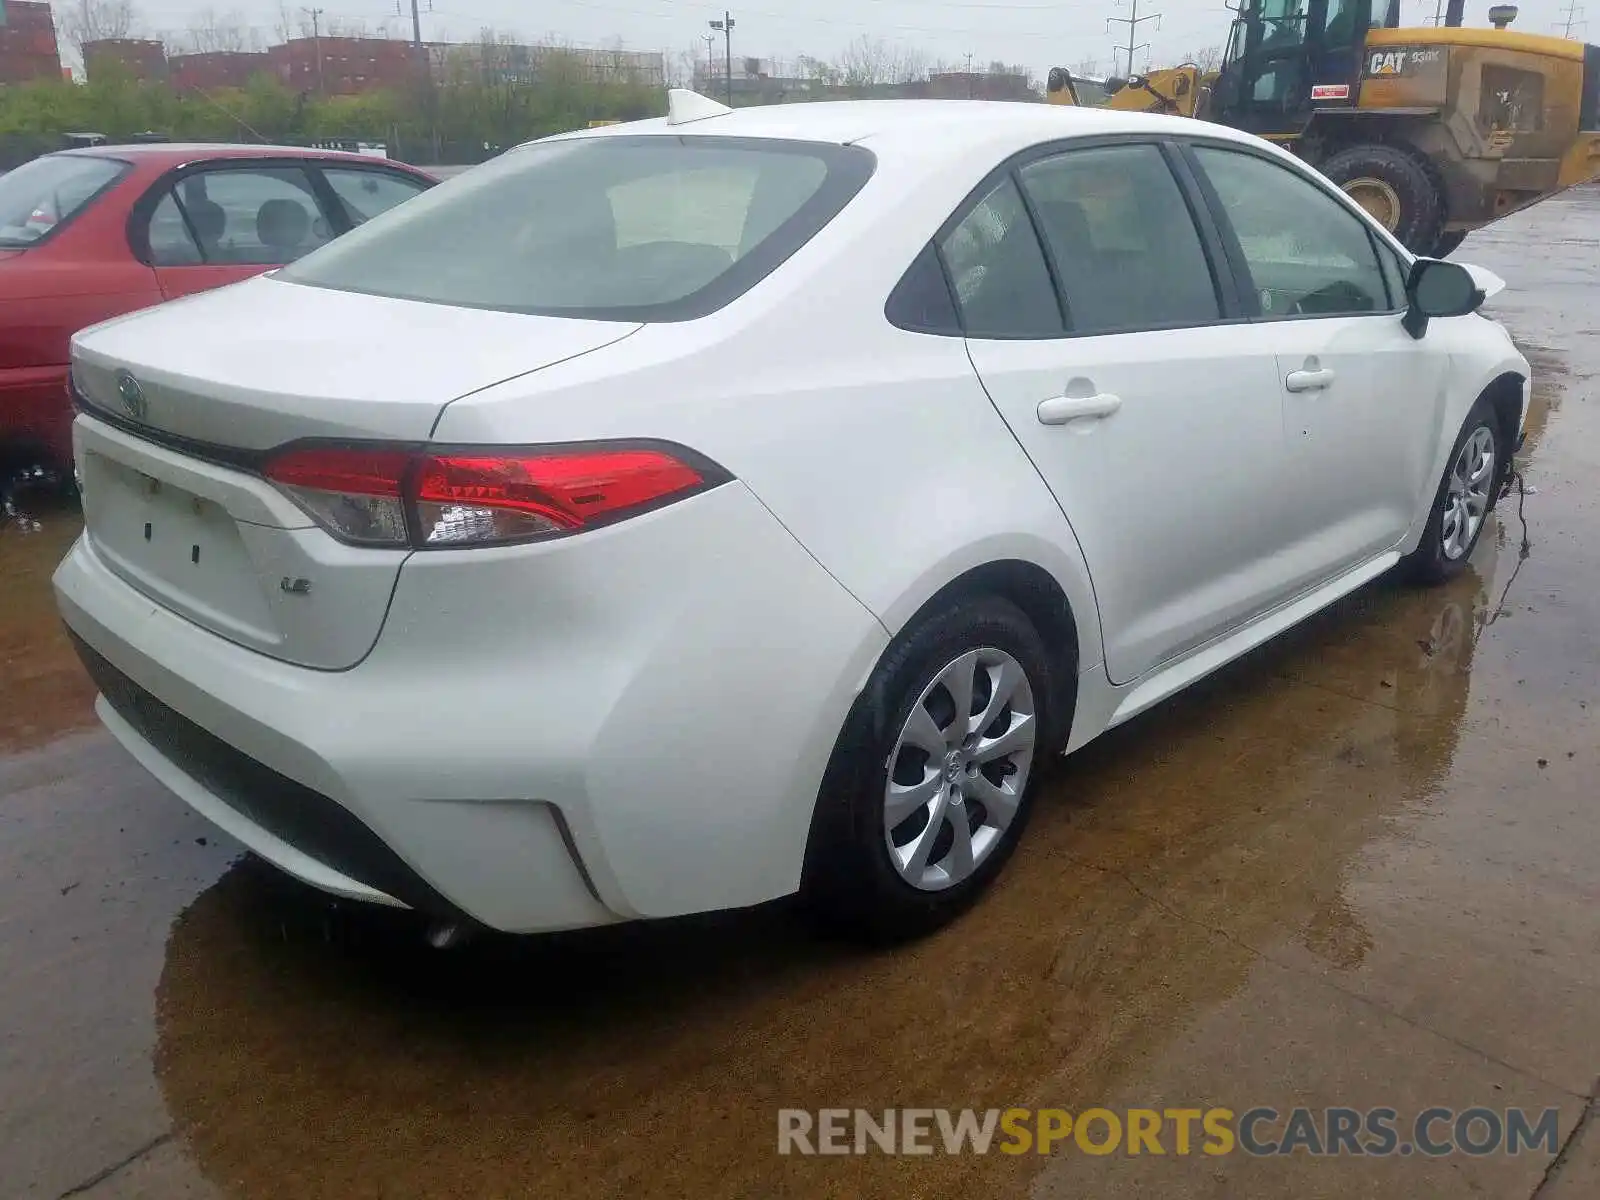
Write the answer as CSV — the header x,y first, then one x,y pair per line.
x,y
877,448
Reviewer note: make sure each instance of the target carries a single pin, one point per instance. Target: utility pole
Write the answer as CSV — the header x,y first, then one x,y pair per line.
x,y
416,34
711,67
316,36
1574,14
726,26
1133,21
969,74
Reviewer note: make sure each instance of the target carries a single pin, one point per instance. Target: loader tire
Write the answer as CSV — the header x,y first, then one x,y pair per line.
x,y
1396,187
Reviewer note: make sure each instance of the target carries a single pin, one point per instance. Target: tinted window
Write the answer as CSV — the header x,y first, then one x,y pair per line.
x,y
40,197
1002,285
260,216
627,228
1307,254
365,194
921,302
172,242
1124,243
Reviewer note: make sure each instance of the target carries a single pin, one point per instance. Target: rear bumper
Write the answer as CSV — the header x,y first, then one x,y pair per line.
x,y
631,724
35,412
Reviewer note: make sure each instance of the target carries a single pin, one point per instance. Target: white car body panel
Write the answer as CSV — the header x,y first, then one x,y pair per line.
x,y
634,721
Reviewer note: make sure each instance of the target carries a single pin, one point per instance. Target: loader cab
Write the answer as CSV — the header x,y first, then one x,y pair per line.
x,y
1286,58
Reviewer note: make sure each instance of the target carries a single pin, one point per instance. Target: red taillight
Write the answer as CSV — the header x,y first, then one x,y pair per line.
x,y
384,496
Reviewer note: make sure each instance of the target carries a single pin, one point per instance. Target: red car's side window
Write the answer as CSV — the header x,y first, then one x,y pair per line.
x,y
237,216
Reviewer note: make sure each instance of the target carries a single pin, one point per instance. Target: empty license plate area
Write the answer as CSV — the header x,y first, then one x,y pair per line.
x,y
179,548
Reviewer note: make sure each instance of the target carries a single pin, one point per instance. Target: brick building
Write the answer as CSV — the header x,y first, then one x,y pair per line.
x,y
216,69
28,43
344,66
139,58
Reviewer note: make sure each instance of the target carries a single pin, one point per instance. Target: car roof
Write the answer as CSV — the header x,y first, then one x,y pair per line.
x,y
171,154
930,124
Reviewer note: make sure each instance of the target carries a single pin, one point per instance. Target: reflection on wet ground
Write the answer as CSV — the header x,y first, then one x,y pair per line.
x,y
1355,869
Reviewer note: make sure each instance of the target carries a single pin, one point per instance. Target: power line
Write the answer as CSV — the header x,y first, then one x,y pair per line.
x,y
1133,21
1573,12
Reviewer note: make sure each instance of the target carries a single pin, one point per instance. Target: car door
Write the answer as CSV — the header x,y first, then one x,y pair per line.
x,y
1361,397
224,223
1150,411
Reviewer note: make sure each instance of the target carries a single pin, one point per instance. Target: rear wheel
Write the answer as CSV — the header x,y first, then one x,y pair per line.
x,y
927,792
1396,188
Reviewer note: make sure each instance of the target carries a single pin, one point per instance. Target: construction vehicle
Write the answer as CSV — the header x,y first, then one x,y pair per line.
x,y
1435,131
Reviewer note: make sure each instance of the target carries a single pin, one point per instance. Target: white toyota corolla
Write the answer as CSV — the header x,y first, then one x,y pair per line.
x,y
678,515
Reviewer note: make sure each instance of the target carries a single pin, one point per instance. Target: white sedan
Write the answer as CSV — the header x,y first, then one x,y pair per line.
x,y
674,516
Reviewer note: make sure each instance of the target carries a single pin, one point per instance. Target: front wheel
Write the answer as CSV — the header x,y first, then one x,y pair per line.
x,y
1463,501
927,792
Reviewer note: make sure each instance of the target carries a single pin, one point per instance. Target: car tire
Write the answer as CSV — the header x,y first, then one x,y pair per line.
x,y
1447,243
1467,492
1397,182
862,877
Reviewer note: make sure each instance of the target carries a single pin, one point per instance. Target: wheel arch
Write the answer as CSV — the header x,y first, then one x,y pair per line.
x,y
1504,393
1040,596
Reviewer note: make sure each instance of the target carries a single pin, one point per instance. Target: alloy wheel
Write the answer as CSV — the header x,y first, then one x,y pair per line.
x,y
959,769
1466,498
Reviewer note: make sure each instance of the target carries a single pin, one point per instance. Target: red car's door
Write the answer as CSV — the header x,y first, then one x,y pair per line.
x,y
229,221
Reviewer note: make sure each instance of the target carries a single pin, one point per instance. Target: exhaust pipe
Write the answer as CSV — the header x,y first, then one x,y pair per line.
x,y
1454,13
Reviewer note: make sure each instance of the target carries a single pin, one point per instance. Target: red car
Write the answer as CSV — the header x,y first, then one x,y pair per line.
x,y
92,233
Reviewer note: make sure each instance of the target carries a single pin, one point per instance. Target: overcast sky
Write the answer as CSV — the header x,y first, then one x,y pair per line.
x,y
1036,33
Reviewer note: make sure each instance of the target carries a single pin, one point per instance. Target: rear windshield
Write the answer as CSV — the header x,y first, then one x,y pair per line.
x,y
40,197
631,228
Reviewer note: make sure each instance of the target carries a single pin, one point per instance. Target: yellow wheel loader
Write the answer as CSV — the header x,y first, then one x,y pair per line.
x,y
1435,131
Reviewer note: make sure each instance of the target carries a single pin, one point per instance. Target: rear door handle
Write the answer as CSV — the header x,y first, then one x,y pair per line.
x,y
1308,381
1060,409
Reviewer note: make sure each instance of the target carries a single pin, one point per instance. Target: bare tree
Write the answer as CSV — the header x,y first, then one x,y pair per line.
x,y
910,65
350,27
867,61
211,31
80,21
1207,59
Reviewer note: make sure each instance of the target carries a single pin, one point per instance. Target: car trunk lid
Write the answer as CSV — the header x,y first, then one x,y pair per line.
x,y
185,402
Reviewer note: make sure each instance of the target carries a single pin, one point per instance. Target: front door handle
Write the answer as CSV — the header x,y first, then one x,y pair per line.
x,y
1308,381
1058,410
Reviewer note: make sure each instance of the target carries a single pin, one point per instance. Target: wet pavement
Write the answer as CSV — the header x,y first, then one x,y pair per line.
x,y
1357,869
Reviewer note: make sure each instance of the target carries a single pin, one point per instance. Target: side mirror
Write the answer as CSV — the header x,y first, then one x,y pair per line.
x,y
1438,289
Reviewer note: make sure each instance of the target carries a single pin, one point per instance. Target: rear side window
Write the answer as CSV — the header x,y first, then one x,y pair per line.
x,y
1003,288
1123,240
42,196
255,216
611,228
366,193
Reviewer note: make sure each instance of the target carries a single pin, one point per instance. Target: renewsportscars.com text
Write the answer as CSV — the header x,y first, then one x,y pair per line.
x,y
1260,1131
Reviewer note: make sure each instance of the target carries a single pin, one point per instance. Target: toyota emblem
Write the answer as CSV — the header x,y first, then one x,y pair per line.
x,y
132,396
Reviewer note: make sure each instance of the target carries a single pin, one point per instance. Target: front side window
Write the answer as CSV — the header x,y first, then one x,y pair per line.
x,y
1123,241
612,228
1307,255
40,197
1002,285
